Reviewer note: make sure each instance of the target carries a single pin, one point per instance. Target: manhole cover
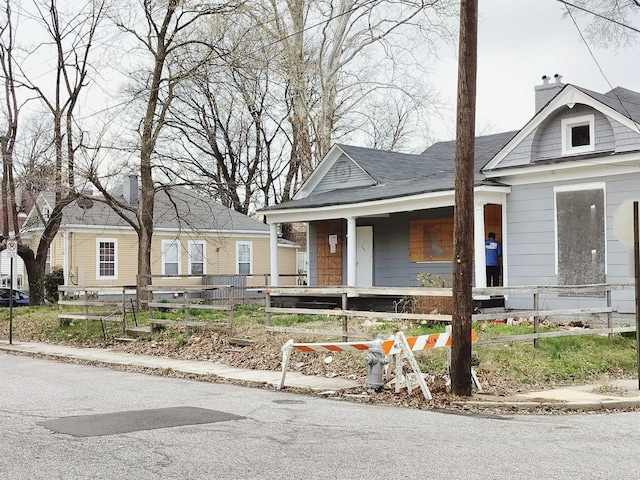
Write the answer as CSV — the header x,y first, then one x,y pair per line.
x,y
135,421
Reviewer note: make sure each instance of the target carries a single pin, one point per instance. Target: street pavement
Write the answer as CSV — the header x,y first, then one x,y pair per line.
x,y
616,394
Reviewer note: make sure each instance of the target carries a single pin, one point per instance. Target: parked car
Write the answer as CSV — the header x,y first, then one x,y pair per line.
x,y
20,298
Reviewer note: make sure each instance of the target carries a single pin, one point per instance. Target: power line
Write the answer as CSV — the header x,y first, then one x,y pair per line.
x,y
595,60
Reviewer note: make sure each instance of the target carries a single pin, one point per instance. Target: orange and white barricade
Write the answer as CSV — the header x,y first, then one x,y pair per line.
x,y
403,347
288,347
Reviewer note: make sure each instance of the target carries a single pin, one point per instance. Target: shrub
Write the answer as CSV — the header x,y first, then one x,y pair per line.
x,y
51,282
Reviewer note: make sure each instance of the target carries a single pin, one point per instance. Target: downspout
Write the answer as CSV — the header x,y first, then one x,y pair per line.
x,y
351,252
65,256
273,253
480,267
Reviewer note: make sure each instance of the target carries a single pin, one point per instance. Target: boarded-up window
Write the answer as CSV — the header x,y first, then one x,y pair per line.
x,y
431,240
581,242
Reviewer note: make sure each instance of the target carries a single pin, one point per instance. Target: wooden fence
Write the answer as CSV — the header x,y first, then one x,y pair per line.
x,y
103,303
345,313
192,297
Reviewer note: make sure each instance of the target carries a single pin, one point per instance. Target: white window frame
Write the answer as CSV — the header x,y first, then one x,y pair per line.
x,y
47,261
115,259
238,246
190,244
567,124
574,188
165,245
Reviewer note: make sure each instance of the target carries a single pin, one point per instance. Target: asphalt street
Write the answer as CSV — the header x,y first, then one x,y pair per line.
x,y
66,421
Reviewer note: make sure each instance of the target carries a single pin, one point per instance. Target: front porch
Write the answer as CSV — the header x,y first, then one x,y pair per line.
x,y
391,249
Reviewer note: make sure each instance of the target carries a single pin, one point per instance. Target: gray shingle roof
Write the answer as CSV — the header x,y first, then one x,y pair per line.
x,y
174,208
400,175
624,101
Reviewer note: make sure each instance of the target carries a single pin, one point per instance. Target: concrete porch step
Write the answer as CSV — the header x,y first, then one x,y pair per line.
x,y
135,332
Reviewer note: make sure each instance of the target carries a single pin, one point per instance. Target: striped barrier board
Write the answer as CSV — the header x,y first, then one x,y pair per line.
x,y
317,347
332,347
422,342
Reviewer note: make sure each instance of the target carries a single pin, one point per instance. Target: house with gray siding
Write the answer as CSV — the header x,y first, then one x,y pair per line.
x,y
558,194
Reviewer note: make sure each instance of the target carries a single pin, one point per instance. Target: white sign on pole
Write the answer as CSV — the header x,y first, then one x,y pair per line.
x,y
12,248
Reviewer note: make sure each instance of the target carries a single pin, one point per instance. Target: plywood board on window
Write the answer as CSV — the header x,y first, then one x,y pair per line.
x,y
431,240
329,262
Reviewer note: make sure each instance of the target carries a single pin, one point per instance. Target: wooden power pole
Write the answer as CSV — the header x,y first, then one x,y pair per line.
x,y
463,214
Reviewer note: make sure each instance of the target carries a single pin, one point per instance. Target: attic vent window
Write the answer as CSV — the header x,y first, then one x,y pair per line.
x,y
578,135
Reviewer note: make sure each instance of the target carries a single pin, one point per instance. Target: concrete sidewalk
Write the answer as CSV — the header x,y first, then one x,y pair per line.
x,y
114,357
624,393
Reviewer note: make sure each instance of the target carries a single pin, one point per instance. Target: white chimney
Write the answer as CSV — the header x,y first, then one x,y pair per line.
x,y
130,189
546,91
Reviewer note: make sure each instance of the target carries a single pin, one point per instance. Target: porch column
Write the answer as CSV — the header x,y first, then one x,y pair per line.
x,y
65,257
351,252
505,248
478,245
273,253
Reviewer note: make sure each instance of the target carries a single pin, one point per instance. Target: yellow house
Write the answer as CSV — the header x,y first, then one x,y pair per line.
x,y
195,240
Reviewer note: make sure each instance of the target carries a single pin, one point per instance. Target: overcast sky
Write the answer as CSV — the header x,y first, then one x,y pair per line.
x,y
519,41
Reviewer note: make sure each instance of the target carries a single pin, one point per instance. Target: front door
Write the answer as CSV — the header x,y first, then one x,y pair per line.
x,y
364,256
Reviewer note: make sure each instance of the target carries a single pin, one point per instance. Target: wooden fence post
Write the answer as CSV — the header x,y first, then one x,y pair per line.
x,y
231,303
345,322
609,313
536,318
267,302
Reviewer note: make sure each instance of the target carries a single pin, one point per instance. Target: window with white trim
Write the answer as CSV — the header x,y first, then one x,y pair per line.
x,y
197,255
107,258
578,134
47,261
170,257
244,257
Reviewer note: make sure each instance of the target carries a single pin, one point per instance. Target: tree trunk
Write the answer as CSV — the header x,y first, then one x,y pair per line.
x,y
35,272
463,214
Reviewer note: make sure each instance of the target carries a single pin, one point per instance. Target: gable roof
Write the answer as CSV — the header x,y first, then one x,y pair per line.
x,y
621,104
174,208
400,175
622,100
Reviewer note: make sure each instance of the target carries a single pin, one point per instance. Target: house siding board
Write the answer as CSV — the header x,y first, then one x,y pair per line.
x,y
312,248
344,173
531,243
82,254
521,154
392,267
625,138
546,140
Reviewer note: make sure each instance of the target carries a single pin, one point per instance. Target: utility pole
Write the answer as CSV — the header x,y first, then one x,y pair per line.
x,y
463,213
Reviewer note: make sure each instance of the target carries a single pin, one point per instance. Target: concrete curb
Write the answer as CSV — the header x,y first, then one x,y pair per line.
x,y
554,405
581,397
111,357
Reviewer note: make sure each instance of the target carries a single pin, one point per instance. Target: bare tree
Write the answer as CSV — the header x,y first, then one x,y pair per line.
x,y
11,112
329,70
300,73
231,117
612,23
69,40
168,36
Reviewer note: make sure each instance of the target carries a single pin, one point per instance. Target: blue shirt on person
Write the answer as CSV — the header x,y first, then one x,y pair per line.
x,y
493,252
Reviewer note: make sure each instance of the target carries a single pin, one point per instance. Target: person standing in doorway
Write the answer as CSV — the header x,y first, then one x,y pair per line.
x,y
493,252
